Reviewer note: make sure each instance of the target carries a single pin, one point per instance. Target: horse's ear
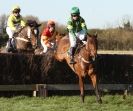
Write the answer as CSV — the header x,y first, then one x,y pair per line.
x,y
95,34
38,25
89,34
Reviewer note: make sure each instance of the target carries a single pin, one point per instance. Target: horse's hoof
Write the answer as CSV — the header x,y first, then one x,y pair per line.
x,y
99,101
82,99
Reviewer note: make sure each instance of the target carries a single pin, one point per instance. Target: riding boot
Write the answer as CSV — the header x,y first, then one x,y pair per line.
x,y
72,51
84,41
9,45
13,44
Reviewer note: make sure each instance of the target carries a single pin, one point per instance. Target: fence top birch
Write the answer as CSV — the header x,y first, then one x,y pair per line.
x,y
115,52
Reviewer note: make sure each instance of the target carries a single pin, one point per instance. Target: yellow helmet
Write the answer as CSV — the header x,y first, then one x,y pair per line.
x,y
16,7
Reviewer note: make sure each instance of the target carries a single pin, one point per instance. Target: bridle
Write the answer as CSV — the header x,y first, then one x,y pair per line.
x,y
87,51
82,58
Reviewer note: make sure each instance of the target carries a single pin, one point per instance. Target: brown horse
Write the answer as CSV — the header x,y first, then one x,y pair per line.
x,y
25,41
84,61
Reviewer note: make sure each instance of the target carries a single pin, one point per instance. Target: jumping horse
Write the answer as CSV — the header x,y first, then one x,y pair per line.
x,y
28,37
24,41
85,61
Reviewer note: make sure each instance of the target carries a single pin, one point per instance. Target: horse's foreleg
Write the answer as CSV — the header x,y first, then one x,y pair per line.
x,y
94,82
81,85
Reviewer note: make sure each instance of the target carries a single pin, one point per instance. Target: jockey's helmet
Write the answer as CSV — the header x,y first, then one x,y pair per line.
x,y
16,8
75,11
50,23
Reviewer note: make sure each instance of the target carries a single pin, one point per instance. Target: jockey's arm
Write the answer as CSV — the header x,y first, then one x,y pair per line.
x,y
53,38
83,25
10,23
45,40
71,29
23,23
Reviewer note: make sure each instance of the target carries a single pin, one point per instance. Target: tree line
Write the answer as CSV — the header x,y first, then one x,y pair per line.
x,y
119,38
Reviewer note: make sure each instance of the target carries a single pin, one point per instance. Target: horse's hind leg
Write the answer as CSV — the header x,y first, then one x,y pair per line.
x,y
95,85
81,85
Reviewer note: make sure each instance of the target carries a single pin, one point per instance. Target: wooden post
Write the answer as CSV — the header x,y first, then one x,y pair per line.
x,y
34,93
125,94
42,90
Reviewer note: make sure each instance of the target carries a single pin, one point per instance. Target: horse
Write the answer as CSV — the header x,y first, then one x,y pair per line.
x,y
85,61
85,58
24,40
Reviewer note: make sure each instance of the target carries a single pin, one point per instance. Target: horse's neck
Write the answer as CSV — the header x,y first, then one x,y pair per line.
x,y
23,32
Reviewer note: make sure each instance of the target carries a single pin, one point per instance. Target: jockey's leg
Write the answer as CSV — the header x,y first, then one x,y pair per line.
x,y
10,33
72,48
82,36
13,42
72,51
44,46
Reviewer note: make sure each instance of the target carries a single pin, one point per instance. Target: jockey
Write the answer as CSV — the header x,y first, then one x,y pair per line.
x,y
77,30
48,36
14,23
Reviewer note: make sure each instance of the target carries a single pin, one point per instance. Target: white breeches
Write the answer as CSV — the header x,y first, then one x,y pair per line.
x,y
81,35
10,32
45,48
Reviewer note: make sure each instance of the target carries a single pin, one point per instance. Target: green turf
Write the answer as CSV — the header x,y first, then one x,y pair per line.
x,y
66,103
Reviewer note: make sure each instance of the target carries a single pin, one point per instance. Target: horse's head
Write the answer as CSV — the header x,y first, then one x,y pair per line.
x,y
35,26
26,38
33,37
91,45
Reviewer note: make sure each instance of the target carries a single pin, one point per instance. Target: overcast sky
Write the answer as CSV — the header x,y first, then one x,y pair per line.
x,y
97,13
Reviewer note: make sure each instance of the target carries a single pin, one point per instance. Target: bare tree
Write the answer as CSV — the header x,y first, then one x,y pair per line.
x,y
3,20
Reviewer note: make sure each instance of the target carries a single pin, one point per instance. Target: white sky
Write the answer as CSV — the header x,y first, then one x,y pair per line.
x,y
97,13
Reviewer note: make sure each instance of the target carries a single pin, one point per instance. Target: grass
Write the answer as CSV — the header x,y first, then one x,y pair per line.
x,y
66,103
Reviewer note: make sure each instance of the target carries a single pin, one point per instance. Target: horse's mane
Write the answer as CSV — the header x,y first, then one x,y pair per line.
x,y
21,30
49,57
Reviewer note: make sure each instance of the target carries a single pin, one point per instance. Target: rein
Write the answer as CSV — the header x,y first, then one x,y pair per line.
x,y
23,36
25,40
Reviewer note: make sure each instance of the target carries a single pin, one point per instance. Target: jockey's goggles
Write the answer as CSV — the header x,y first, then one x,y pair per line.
x,y
75,15
16,11
51,25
